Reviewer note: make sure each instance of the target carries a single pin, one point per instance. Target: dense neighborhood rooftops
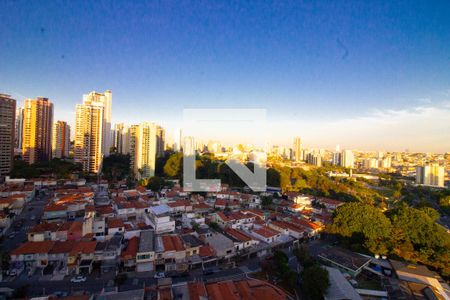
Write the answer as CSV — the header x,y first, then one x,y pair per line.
x,y
42,247
191,240
172,243
250,289
238,235
115,223
266,232
132,247
159,210
147,241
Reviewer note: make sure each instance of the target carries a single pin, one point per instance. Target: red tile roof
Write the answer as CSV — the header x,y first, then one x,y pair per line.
x,y
206,251
266,232
34,248
84,247
305,223
131,250
43,227
62,247
197,290
238,234
172,243
115,223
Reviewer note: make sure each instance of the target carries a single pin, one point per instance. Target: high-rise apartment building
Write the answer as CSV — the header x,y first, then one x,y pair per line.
x,y
104,100
431,174
37,130
143,149
347,159
88,146
7,123
336,156
60,139
314,159
160,141
19,129
298,149
121,138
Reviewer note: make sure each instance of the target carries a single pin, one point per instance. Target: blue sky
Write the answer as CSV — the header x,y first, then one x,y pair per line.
x,y
319,68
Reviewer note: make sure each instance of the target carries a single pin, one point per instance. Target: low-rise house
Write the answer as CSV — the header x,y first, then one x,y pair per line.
x,y
180,206
81,258
256,212
128,256
241,239
32,254
59,254
173,254
233,219
290,229
43,232
145,255
330,204
311,228
201,208
159,218
188,219
348,262
55,213
108,253
69,231
250,289
192,245
115,225
418,282
223,246
266,234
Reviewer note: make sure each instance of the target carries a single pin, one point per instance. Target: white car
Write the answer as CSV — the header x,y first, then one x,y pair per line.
x,y
160,275
78,279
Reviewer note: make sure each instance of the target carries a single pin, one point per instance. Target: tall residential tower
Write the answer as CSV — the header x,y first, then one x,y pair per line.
x,y
7,122
90,132
143,149
37,130
60,139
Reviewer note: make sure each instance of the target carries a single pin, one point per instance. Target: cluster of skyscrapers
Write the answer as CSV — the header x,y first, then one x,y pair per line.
x,y
31,132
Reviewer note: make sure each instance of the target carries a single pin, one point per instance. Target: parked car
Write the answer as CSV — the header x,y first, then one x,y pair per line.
x,y
160,275
78,278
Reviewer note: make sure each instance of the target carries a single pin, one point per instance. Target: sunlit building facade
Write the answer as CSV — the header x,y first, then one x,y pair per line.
x,y
298,149
143,149
432,174
88,146
60,139
37,130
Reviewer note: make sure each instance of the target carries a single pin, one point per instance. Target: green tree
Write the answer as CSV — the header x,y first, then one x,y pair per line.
x,y
356,220
155,183
266,201
303,257
315,282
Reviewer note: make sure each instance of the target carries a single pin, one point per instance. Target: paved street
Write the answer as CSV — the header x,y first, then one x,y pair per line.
x,y
31,214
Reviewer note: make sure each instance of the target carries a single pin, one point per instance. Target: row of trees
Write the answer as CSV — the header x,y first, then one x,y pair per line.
x,y
403,232
314,181
59,168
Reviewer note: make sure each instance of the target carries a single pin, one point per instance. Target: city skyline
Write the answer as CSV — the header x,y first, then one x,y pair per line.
x,y
304,70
